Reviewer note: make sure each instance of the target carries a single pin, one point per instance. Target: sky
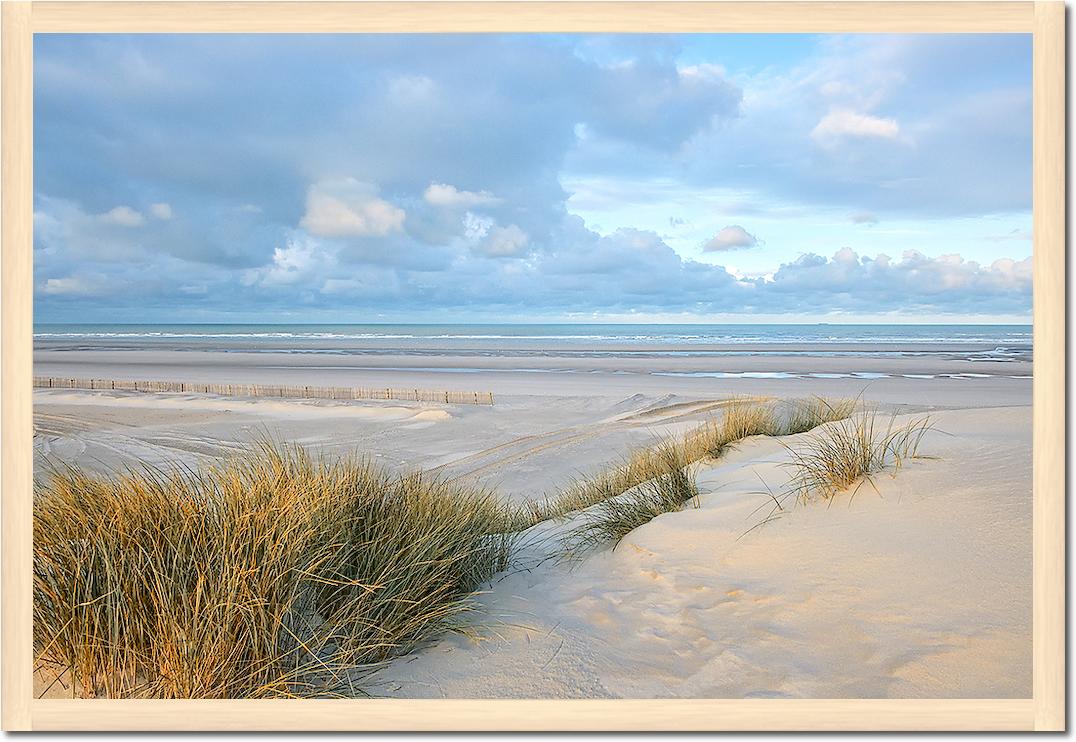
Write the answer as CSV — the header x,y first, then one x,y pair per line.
x,y
532,177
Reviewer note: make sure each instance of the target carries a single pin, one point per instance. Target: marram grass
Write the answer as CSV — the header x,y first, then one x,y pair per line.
x,y
275,574
610,520
271,575
848,452
657,480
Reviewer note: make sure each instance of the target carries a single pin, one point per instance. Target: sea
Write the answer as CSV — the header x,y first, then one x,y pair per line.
x,y
673,349
979,342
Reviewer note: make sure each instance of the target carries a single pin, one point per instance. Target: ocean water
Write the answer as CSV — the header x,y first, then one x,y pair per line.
x,y
536,335
685,350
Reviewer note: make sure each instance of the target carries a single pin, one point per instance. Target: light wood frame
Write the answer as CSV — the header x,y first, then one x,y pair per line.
x,y
1045,20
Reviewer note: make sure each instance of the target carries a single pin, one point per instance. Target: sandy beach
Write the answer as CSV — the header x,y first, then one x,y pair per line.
x,y
525,365
920,588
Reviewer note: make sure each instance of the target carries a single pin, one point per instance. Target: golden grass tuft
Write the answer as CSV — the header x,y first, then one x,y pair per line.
x,y
655,480
807,414
849,451
741,419
270,575
671,487
274,574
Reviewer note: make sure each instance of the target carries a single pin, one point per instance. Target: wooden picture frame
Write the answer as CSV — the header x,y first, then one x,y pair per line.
x,y
1044,711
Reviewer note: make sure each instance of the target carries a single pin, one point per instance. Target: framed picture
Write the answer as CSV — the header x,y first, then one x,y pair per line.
x,y
533,366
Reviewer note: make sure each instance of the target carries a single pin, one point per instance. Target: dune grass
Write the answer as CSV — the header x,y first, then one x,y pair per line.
x,y
270,575
741,419
656,480
275,574
808,414
848,452
612,519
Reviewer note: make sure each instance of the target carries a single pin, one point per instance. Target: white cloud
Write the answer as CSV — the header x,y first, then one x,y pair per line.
x,y
732,237
442,194
410,90
299,262
863,217
704,72
475,227
161,211
504,242
349,208
72,286
842,123
850,280
123,216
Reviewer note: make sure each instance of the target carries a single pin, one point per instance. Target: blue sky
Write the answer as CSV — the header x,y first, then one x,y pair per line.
x,y
532,177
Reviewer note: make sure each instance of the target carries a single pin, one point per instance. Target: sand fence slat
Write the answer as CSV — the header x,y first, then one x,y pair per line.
x,y
269,390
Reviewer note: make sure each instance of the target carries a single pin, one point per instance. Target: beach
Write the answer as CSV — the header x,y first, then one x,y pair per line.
x,y
918,586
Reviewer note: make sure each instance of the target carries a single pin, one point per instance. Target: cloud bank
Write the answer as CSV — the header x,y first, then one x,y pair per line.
x,y
295,177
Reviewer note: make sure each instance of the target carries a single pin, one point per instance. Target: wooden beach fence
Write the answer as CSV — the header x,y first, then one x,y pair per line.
x,y
270,390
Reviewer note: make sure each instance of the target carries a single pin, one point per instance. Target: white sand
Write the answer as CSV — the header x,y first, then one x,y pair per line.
x,y
922,591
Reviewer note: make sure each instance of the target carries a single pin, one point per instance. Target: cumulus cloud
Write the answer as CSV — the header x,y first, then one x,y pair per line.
x,y
843,124
955,139
298,262
349,208
455,168
503,242
123,216
848,281
732,237
442,194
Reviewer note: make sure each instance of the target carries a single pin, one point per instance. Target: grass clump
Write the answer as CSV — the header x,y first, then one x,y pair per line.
x,y
808,414
612,519
849,451
742,418
642,465
270,575
657,480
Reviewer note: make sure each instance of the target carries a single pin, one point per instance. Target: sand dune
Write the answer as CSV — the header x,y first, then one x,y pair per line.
x,y
919,590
